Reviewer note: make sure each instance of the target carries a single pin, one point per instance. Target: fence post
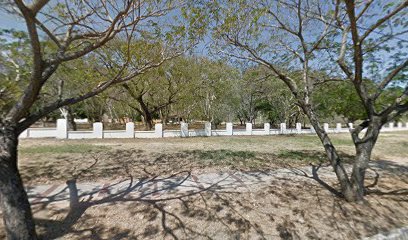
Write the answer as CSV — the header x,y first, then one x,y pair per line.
x,y
312,130
62,129
283,128
391,125
98,130
158,130
298,128
248,128
229,129
338,127
267,128
184,129
406,124
130,130
350,126
400,125
326,127
207,129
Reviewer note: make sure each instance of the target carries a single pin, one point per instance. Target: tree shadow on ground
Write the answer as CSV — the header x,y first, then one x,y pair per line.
x,y
124,162
286,207
376,170
171,225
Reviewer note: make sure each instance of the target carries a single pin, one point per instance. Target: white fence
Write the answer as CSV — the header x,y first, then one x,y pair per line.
x,y
61,131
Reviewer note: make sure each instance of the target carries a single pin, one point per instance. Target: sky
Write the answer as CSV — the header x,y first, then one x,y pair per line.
x,y
8,21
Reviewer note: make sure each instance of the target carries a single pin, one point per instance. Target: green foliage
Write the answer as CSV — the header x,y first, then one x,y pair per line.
x,y
15,61
338,98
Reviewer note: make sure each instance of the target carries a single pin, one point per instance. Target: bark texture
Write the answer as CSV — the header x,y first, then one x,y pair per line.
x,y
17,216
352,187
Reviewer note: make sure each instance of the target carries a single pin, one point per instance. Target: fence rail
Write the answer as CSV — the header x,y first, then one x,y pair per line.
x,y
62,132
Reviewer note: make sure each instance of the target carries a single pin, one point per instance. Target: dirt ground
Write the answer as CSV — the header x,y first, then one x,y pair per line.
x,y
283,208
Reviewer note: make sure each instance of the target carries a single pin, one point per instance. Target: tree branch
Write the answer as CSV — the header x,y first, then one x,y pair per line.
x,y
389,78
385,18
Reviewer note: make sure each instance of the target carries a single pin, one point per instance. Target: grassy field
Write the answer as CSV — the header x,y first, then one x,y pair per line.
x,y
46,160
285,207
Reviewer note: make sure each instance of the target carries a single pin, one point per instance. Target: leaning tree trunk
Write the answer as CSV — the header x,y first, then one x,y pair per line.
x,y
17,216
349,193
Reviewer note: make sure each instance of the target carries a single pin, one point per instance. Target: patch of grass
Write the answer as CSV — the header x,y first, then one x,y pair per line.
x,y
302,156
342,141
66,148
223,154
226,158
311,156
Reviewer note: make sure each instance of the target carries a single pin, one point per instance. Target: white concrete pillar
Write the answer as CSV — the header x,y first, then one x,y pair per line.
x,y
406,124
62,129
229,129
267,128
248,128
283,128
400,125
298,128
207,129
326,127
391,125
338,127
184,129
158,130
98,130
350,125
130,130
312,130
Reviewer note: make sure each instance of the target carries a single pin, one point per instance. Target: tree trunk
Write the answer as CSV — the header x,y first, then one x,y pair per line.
x,y
147,115
163,116
17,216
71,119
349,193
148,121
363,156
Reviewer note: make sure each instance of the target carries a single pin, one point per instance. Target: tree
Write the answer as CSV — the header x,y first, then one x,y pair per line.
x,y
214,86
75,29
294,36
251,91
328,104
159,89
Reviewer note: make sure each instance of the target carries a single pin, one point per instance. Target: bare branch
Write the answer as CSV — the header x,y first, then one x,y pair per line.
x,y
32,90
342,63
367,5
389,78
256,58
384,19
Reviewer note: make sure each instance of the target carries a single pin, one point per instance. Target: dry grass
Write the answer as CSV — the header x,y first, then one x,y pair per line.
x,y
50,160
284,208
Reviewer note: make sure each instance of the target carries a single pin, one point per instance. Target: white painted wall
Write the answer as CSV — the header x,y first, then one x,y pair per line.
x,y
41,132
61,131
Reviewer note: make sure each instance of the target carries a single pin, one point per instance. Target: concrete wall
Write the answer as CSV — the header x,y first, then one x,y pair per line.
x,y
61,131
